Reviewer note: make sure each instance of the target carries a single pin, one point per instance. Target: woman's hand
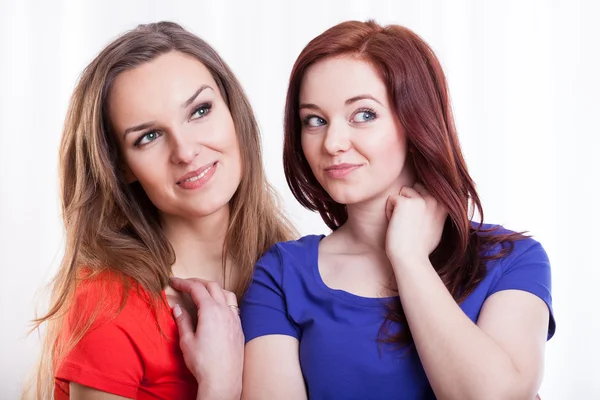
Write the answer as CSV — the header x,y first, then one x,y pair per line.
x,y
214,350
416,222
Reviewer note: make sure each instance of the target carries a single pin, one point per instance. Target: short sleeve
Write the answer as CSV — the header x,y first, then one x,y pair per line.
x,y
529,271
264,308
106,358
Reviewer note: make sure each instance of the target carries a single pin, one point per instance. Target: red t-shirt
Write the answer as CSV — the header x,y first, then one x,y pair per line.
x,y
123,353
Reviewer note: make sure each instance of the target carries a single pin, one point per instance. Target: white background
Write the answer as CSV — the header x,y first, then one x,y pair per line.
x,y
524,81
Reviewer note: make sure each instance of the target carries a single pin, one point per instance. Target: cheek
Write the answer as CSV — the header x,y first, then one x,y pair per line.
x,y
232,146
221,133
227,143
310,147
393,149
148,169
387,151
236,155
233,141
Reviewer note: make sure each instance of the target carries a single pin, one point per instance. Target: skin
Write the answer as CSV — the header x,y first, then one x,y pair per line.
x,y
186,125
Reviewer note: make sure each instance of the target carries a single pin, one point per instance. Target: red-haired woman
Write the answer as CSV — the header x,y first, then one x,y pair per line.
x,y
408,298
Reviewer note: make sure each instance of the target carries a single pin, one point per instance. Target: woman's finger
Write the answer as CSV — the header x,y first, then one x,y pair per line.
x,y
231,300
431,201
184,323
230,297
194,288
390,205
216,292
421,189
409,192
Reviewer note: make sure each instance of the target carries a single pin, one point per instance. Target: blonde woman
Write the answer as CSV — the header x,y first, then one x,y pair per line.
x,y
161,176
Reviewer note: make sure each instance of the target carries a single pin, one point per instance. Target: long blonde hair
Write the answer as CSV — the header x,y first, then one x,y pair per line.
x,y
112,225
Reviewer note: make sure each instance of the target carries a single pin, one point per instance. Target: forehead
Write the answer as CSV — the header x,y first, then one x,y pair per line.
x,y
156,87
336,79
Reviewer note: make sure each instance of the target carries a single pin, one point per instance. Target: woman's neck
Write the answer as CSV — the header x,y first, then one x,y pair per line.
x,y
366,227
198,244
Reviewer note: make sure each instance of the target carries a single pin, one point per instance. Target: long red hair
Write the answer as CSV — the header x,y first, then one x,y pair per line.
x,y
418,93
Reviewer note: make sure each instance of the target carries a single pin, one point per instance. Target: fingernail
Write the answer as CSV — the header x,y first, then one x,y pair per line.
x,y
176,310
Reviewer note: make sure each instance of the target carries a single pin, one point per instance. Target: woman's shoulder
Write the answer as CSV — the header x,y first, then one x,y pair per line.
x,y
518,262
292,254
295,248
107,295
107,283
110,331
508,244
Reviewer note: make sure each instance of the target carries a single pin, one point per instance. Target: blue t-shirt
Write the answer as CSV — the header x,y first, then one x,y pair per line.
x,y
340,354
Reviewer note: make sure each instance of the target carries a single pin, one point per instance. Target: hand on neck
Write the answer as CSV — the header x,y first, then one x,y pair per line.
x,y
367,224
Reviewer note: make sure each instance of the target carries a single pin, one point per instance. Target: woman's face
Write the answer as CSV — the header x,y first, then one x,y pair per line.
x,y
176,135
351,137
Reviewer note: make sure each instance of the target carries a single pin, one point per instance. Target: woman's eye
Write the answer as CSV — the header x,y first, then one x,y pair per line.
x,y
314,121
147,138
364,116
201,111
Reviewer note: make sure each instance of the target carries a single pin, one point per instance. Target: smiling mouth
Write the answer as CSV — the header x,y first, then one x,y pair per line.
x,y
340,171
198,176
